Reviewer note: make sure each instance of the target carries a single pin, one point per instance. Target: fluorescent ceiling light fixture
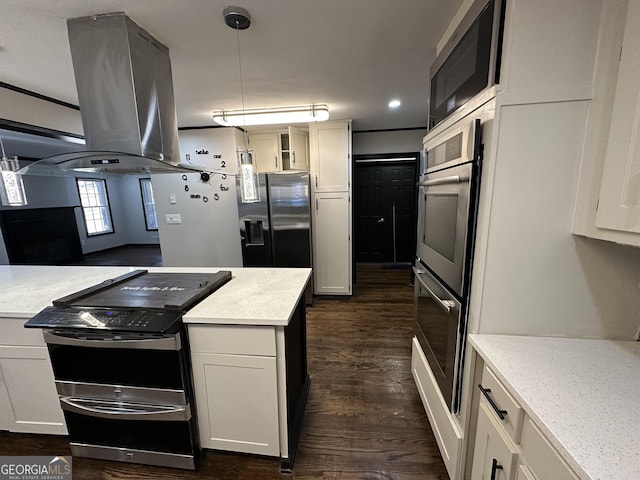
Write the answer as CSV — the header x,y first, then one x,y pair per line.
x,y
394,103
271,116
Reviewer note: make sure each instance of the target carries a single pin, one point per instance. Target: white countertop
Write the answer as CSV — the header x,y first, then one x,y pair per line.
x,y
583,394
254,296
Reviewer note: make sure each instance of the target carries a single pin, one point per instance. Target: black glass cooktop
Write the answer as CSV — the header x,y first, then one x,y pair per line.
x,y
136,302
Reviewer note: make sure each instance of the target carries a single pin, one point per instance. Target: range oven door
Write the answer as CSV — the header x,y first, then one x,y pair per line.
x,y
126,396
122,367
437,325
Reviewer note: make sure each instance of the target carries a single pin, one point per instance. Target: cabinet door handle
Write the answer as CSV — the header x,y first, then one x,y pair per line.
x,y
494,468
486,392
276,157
316,204
316,180
293,154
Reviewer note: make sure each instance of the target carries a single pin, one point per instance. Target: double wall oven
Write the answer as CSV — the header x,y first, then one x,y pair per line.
x,y
447,205
122,368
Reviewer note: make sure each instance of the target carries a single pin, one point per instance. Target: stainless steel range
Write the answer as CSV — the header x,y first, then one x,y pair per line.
x,y
121,363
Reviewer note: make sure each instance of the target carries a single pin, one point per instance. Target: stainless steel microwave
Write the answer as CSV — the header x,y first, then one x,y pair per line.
x,y
470,60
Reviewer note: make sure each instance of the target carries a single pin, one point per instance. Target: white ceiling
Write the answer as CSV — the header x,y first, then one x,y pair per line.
x,y
354,55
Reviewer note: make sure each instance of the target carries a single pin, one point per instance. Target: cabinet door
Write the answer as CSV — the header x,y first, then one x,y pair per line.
x,y
33,405
299,143
619,203
494,456
332,243
237,402
330,152
265,149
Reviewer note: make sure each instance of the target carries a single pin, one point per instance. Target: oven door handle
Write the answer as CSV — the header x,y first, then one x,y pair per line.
x,y
444,180
446,305
161,343
125,411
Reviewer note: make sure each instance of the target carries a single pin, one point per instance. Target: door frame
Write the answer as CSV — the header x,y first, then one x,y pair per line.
x,y
381,157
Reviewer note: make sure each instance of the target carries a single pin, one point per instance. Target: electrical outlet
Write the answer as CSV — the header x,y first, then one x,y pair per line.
x,y
172,198
172,218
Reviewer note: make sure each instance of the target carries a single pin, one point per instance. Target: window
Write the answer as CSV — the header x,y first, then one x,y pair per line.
x,y
149,204
95,206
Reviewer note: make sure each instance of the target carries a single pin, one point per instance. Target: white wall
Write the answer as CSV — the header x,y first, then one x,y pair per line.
x,y
532,276
34,111
392,141
209,234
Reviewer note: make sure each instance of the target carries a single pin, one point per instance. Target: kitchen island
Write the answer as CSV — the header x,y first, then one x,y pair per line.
x,y
571,405
248,344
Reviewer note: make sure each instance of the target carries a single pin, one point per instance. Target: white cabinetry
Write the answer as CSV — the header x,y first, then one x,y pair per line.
x,y
494,456
619,201
330,151
299,149
512,446
277,151
27,406
332,243
266,150
236,387
330,164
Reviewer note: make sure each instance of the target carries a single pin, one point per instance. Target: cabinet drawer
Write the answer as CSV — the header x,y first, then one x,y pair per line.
x,y
541,457
14,333
233,339
497,393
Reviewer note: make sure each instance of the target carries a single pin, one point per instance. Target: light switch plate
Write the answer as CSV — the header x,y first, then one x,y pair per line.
x,y
172,218
172,198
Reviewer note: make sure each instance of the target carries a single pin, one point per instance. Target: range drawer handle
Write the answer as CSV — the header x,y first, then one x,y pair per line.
x,y
486,392
494,468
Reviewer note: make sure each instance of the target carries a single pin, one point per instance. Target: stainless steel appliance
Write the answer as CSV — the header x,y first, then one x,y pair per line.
x,y
277,230
470,61
122,368
447,211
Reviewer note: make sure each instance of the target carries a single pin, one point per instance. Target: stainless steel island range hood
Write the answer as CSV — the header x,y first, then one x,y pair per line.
x,y
125,93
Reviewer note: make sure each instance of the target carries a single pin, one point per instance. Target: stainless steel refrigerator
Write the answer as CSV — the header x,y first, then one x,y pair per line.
x,y
276,231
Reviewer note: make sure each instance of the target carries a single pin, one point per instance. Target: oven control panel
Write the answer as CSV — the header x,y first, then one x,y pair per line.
x,y
124,320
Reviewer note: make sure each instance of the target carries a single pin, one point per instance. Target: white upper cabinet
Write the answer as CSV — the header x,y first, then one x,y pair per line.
x,y
330,151
619,201
265,148
299,153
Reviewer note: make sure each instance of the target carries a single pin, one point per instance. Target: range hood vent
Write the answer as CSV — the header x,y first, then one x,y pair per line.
x,y
125,93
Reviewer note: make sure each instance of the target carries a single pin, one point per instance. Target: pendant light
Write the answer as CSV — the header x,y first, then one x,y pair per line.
x,y
11,187
239,19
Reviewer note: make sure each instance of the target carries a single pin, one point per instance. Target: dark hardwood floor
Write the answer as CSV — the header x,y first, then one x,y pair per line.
x,y
127,255
364,419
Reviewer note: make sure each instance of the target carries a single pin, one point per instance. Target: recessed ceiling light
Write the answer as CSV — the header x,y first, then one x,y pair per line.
x,y
394,103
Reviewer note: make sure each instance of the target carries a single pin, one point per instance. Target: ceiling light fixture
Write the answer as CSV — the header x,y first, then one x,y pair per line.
x,y
271,116
394,103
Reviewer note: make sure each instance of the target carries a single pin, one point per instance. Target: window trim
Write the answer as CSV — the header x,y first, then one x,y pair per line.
x,y
144,207
84,217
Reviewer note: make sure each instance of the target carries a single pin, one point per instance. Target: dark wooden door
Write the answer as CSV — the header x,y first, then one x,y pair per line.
x,y
382,188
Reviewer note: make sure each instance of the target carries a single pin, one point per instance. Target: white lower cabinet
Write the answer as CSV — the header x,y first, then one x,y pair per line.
x,y
332,243
27,406
494,455
241,409
511,448
236,388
